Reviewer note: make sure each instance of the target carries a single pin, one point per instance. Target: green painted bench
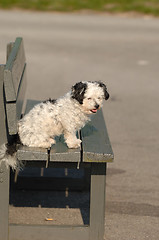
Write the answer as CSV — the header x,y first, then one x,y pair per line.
x,y
94,154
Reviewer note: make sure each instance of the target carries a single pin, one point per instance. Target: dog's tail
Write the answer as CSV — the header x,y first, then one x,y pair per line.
x,y
8,153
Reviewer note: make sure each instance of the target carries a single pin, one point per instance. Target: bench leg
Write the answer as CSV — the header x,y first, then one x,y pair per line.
x,y
4,202
97,201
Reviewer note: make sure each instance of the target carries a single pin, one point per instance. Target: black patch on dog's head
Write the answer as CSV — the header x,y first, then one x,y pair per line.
x,y
78,91
102,85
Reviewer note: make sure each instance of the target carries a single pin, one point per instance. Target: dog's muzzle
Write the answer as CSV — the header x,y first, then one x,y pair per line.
x,y
95,108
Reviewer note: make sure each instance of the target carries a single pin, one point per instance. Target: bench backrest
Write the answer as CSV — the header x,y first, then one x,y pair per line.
x,y
14,84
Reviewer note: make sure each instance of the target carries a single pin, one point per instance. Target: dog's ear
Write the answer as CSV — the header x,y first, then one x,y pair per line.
x,y
102,85
78,91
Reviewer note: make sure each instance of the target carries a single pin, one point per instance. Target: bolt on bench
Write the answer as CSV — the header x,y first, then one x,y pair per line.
x,y
94,154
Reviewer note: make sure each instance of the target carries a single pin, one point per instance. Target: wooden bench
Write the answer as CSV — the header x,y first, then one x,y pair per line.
x,y
94,154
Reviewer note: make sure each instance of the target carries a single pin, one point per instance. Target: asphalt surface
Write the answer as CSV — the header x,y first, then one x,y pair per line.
x,y
123,51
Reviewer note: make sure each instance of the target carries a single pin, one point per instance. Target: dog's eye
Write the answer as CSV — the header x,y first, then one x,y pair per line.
x,y
99,98
89,98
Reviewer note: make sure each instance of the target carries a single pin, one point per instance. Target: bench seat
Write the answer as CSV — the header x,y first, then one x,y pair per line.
x,y
95,146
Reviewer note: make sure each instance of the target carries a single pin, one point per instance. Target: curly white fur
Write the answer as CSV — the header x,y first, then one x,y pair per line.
x,y
46,120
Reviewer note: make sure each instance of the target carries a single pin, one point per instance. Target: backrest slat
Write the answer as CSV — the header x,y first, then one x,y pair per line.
x,y
9,48
14,84
13,70
11,117
21,93
3,136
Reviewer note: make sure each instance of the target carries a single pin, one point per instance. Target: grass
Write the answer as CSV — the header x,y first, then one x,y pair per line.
x,y
112,6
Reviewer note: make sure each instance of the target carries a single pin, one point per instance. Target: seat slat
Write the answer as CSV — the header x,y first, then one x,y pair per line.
x,y
61,153
95,141
32,154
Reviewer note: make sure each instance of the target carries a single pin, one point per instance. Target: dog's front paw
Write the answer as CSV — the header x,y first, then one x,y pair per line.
x,y
52,141
74,144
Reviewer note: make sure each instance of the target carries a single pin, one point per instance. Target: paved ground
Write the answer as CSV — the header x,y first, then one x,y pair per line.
x,y
122,51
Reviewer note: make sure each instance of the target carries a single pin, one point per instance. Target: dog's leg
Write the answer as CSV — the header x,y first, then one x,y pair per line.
x,y
71,140
47,143
43,144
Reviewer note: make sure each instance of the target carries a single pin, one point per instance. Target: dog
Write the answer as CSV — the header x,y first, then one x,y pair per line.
x,y
65,115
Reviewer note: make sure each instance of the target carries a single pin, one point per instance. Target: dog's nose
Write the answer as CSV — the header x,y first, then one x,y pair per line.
x,y
97,106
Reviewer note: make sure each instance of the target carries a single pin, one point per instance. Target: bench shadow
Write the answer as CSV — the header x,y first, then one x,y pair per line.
x,y
30,191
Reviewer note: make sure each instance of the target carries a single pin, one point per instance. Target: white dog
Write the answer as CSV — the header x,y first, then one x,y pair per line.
x,y
65,116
